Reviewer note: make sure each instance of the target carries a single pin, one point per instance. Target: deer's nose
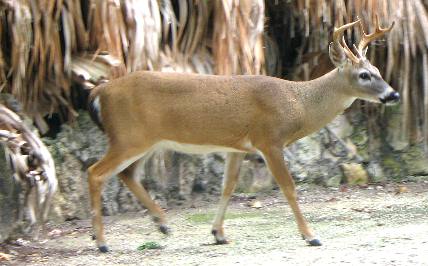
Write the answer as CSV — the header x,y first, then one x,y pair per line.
x,y
393,97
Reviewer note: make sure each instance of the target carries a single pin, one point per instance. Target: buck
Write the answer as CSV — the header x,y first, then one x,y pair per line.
x,y
193,113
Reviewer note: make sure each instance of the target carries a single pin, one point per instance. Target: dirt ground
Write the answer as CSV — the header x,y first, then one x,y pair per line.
x,y
375,225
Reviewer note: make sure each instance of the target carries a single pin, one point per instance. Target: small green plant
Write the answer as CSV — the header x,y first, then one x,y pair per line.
x,y
149,245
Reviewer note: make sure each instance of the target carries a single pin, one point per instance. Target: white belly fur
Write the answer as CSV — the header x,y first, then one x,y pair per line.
x,y
194,149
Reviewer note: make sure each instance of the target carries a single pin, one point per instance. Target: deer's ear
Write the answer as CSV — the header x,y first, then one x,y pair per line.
x,y
337,56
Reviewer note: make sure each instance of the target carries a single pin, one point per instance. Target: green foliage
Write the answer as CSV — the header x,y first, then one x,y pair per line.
x,y
149,245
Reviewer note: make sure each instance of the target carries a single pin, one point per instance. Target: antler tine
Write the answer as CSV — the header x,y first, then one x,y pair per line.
x,y
339,31
349,52
359,54
367,38
339,41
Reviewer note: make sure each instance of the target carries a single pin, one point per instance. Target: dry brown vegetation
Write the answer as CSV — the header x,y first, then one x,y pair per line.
x,y
47,46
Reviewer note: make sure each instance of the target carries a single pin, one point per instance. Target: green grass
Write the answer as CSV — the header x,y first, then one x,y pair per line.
x,y
149,245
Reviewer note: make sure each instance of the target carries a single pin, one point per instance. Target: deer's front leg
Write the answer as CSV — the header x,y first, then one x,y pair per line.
x,y
231,173
275,161
128,177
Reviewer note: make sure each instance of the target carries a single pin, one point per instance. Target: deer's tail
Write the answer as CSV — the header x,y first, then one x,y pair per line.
x,y
94,106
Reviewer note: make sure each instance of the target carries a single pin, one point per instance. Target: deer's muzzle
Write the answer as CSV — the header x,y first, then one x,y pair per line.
x,y
392,97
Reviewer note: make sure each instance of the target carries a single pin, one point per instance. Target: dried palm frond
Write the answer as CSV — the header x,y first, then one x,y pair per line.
x,y
144,34
46,45
237,41
30,36
89,70
32,166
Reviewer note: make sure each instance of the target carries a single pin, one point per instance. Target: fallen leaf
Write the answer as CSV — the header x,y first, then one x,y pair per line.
x,y
401,189
5,257
55,233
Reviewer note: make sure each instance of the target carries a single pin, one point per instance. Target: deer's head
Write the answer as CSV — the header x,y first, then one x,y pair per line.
x,y
364,79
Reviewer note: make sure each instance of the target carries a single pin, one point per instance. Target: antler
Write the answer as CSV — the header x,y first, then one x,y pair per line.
x,y
339,41
341,48
367,38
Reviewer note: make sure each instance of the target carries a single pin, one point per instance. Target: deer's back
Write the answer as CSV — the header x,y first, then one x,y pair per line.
x,y
192,108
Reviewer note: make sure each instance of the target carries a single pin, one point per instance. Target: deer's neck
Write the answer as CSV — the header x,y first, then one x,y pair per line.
x,y
322,100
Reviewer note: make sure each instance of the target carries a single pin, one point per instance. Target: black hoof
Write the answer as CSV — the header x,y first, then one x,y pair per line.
x,y
221,242
164,229
103,249
94,237
315,242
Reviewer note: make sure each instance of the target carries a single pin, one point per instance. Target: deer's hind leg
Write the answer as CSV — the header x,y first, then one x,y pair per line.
x,y
114,162
130,179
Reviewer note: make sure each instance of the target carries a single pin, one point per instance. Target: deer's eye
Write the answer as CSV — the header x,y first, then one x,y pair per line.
x,y
365,76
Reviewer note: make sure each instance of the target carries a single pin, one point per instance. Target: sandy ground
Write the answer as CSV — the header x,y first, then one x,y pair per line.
x,y
376,225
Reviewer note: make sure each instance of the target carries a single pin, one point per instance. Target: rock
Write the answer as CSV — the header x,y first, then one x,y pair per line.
x,y
395,137
316,158
392,166
376,172
9,199
415,161
353,150
262,180
341,126
308,149
303,157
334,181
213,167
354,173
254,176
72,199
186,170
246,177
